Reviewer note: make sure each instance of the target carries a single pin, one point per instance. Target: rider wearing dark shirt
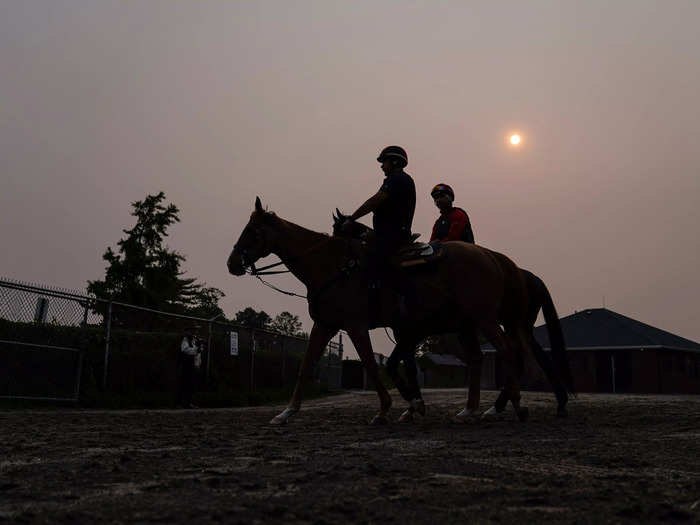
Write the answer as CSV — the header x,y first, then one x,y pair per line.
x,y
393,207
453,223
393,218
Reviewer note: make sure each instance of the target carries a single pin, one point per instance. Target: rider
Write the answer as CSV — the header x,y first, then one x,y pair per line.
x,y
453,223
393,207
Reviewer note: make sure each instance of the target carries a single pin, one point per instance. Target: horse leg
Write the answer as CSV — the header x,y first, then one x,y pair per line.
x,y
363,345
547,367
392,368
520,345
411,369
318,339
409,389
506,352
474,359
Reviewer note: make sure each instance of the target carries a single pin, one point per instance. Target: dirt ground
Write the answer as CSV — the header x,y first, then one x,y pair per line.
x,y
617,458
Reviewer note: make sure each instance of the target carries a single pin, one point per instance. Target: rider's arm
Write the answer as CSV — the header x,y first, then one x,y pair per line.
x,y
370,205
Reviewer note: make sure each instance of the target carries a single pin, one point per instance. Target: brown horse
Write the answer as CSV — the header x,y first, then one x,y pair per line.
x,y
471,288
556,367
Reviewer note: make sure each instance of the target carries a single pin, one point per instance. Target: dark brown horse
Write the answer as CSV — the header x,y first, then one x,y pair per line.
x,y
556,367
471,288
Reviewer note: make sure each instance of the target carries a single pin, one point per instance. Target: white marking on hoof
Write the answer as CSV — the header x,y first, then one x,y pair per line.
x,y
490,412
281,419
406,417
465,414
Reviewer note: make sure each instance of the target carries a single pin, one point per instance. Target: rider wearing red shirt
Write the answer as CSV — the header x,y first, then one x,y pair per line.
x,y
453,223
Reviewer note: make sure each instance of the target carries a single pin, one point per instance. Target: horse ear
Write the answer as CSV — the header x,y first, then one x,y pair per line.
x,y
258,205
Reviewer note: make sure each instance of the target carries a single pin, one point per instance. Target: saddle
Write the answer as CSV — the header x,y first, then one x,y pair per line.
x,y
419,253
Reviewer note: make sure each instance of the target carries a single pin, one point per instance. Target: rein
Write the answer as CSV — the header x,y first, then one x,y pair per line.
x,y
270,285
257,272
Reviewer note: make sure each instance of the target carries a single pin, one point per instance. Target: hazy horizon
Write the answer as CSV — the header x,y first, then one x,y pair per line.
x,y
104,102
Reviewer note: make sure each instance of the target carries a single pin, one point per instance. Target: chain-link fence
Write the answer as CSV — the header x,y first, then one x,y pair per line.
x,y
59,344
42,340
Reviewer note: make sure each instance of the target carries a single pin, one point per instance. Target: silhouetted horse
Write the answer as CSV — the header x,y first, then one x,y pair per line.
x,y
470,288
556,368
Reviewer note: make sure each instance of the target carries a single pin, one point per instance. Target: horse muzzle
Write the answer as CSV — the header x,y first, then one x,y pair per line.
x,y
235,265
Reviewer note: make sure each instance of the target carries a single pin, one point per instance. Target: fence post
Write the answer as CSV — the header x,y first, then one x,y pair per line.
x,y
284,361
85,315
252,360
107,340
329,347
209,353
211,324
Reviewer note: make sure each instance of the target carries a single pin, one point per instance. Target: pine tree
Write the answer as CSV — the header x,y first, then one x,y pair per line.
x,y
145,272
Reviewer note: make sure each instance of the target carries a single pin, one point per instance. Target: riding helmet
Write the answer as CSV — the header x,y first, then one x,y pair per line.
x,y
442,188
396,152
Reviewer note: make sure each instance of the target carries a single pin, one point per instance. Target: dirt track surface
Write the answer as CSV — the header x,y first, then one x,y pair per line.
x,y
621,459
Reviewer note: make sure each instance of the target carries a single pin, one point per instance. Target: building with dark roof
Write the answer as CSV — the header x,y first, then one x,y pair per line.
x,y
441,371
610,352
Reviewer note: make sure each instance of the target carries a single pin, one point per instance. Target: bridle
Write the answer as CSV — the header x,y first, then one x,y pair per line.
x,y
247,263
249,266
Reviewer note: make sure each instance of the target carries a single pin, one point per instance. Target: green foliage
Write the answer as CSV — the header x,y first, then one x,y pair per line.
x,y
429,344
144,272
287,324
251,318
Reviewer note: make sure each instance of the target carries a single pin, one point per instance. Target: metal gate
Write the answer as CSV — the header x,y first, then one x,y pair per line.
x,y
41,330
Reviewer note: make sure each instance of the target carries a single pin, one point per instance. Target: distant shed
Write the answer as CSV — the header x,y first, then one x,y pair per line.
x,y
610,352
442,370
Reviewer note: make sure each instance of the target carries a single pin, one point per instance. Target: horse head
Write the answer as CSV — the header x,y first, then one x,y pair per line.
x,y
255,242
357,230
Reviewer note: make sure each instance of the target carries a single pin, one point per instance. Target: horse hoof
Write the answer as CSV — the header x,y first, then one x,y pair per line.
x,y
419,406
282,417
466,415
562,412
278,421
406,417
493,411
379,420
523,414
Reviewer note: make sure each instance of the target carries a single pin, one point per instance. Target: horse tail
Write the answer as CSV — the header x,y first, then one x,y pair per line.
x,y
560,358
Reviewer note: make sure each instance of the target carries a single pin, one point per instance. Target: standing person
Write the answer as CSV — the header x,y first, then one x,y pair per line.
x,y
453,223
392,207
189,349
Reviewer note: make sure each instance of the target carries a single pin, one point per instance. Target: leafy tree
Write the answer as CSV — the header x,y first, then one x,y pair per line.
x,y
144,272
429,344
286,324
251,318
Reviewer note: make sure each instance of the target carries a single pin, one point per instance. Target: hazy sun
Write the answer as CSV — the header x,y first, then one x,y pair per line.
x,y
515,140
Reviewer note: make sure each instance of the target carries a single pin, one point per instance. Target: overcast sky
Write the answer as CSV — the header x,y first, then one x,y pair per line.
x,y
215,102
